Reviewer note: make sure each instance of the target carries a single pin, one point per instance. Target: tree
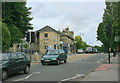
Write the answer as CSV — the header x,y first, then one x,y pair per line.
x,y
101,33
80,43
16,16
6,37
109,28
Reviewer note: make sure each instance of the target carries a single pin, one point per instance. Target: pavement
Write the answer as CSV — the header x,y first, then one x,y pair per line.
x,y
105,72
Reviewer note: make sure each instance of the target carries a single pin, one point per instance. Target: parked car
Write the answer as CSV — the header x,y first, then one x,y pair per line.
x,y
54,56
95,50
11,63
89,50
79,51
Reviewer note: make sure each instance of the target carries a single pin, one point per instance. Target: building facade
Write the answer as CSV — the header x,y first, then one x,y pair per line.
x,y
67,37
48,38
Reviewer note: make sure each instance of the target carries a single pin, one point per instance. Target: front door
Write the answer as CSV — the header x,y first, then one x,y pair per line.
x,y
22,60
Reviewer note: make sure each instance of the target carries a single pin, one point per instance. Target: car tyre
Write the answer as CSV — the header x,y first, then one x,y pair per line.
x,y
43,63
27,70
4,75
58,62
65,61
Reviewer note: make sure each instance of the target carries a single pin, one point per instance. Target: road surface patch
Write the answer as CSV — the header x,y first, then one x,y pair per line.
x,y
71,78
33,63
104,67
27,76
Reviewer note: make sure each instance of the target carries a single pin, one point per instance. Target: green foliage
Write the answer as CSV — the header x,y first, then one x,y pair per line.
x,y
6,37
102,35
16,33
109,28
16,17
25,45
100,48
0,35
80,43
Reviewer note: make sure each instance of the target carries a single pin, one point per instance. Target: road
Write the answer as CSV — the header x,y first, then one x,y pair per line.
x,y
73,69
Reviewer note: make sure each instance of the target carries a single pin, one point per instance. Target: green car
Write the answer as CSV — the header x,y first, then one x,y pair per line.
x,y
11,63
54,56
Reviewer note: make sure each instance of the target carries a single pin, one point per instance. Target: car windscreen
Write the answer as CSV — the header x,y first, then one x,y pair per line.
x,y
89,48
52,52
4,56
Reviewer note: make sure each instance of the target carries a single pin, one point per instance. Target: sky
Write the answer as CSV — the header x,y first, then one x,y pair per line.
x,y
80,17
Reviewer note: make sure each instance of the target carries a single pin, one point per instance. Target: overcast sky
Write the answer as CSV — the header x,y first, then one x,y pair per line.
x,y
81,17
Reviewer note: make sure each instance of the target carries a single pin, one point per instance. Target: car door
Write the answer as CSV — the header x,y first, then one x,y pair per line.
x,y
14,64
22,60
63,55
60,55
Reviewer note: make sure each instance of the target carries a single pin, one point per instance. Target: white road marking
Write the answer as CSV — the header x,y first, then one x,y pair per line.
x,y
101,60
27,76
98,61
84,62
77,75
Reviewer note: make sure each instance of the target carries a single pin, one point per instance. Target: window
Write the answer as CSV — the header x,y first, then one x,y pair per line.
x,y
14,56
53,52
21,56
45,35
62,51
46,46
54,46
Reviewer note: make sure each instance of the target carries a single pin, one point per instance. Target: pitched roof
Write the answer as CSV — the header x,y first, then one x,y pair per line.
x,y
47,29
66,36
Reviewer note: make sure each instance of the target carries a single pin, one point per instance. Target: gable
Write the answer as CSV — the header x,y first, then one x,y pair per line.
x,y
47,29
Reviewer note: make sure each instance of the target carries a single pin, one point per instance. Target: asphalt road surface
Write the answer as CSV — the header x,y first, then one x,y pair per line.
x,y
62,72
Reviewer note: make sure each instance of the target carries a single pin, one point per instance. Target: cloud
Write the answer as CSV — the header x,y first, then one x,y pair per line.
x,y
81,17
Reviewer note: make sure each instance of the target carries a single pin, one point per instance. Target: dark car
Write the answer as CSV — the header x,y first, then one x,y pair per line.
x,y
54,56
11,63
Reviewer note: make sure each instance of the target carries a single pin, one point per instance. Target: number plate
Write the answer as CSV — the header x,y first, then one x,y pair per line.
x,y
47,60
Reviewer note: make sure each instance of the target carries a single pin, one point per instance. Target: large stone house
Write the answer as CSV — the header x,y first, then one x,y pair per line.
x,y
48,37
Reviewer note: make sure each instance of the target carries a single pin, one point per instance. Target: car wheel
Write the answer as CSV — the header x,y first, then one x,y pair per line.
x,y
65,61
58,62
43,63
4,75
27,69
